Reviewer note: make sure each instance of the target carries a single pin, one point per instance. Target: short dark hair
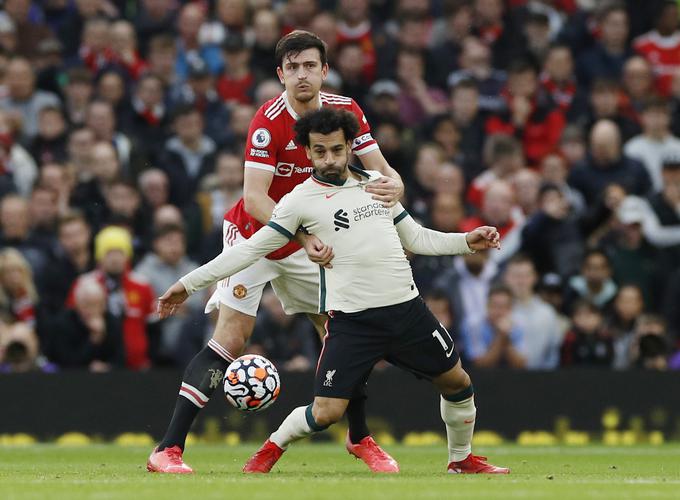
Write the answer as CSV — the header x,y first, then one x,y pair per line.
x,y
325,121
297,41
499,289
167,229
184,109
655,103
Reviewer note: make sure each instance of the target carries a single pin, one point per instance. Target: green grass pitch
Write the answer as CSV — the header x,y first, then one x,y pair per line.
x,y
325,471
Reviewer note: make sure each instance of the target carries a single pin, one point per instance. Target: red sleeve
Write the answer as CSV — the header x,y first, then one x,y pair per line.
x,y
494,125
363,142
261,143
556,124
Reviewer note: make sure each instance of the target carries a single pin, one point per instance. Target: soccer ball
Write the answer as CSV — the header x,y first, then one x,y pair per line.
x,y
251,383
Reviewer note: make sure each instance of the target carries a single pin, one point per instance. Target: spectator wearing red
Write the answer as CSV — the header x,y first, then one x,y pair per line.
x,y
124,46
530,115
128,297
638,85
237,80
661,46
557,78
503,156
355,26
587,343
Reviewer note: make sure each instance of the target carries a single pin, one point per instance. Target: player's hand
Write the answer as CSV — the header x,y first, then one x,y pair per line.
x,y
318,252
170,301
386,190
483,238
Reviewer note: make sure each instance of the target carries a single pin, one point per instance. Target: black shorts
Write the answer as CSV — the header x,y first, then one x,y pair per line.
x,y
407,335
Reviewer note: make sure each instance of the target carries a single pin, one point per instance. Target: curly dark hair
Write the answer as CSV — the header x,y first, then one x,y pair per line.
x,y
325,121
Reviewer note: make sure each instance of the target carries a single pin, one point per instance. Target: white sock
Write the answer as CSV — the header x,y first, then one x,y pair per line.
x,y
293,428
459,418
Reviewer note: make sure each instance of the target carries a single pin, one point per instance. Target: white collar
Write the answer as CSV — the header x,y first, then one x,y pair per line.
x,y
290,108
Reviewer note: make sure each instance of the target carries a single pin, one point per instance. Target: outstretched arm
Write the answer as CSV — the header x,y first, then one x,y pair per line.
x,y
422,241
229,262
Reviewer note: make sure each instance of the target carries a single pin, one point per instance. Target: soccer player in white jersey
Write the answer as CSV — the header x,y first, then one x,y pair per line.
x,y
374,308
274,165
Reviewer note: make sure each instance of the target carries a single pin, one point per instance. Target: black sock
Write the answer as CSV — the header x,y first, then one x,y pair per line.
x,y
356,416
203,375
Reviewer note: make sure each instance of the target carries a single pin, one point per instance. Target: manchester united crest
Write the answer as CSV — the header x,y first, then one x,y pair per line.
x,y
240,291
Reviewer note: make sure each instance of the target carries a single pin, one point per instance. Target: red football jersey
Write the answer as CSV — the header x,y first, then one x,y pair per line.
x,y
271,146
663,53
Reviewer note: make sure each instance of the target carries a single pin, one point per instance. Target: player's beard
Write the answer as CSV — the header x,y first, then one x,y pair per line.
x,y
333,173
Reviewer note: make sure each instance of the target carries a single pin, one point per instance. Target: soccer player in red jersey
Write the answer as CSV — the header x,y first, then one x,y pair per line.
x,y
274,165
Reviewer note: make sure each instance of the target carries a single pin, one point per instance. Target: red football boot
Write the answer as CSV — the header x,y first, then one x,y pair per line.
x,y
264,459
377,459
169,461
474,464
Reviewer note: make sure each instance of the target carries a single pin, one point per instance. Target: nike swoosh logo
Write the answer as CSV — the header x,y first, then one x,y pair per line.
x,y
331,195
468,421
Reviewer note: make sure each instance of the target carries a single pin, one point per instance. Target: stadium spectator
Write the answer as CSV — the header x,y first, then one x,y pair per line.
x,y
656,141
189,154
20,351
661,46
527,183
18,294
534,317
49,145
417,100
123,208
75,19
78,90
148,119
236,82
72,257
23,99
154,18
493,24
651,348
154,188
15,232
100,117
666,202
603,102
627,307
605,164
43,212
466,115
557,77
552,236
594,283
354,25
496,341
587,343
467,284
608,54
350,68
161,57
503,157
383,104
125,51
289,341
266,32
111,87
189,47
499,209
59,179
221,191
17,169
528,114
475,64
88,335
165,264
29,33
128,298
554,170
199,91
638,84
448,38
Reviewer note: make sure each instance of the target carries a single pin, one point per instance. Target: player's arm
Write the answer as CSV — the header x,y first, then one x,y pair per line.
x,y
228,263
422,241
390,188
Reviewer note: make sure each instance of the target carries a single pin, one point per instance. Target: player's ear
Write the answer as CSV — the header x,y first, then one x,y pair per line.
x,y
308,152
279,73
324,71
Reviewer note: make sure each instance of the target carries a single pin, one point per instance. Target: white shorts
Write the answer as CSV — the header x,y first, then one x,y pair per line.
x,y
295,280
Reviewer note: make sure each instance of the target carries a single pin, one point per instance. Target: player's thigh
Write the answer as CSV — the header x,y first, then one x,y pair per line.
x,y
423,346
319,322
297,284
347,358
233,329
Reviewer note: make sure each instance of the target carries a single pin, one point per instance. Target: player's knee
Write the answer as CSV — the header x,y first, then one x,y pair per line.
x,y
326,414
453,381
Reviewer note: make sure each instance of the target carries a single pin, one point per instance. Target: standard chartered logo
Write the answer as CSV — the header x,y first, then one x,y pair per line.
x,y
369,210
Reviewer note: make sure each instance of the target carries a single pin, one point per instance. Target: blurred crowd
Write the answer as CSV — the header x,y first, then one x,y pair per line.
x,y
122,127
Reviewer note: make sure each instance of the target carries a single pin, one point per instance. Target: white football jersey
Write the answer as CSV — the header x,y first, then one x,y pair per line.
x,y
370,268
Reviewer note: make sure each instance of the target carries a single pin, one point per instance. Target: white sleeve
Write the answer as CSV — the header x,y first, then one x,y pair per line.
x,y
422,241
658,235
234,259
